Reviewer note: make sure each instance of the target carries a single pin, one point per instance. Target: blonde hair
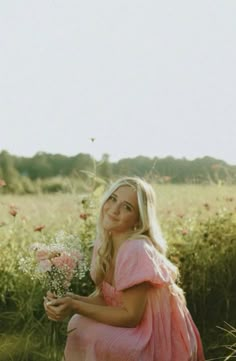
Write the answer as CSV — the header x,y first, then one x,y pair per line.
x,y
148,224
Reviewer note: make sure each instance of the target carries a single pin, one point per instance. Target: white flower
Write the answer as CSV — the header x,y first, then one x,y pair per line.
x,y
44,266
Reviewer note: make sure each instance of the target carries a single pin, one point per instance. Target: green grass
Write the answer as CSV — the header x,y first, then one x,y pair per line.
x,y
199,223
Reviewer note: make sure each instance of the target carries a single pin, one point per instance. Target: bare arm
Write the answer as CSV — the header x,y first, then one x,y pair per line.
x,y
127,315
94,299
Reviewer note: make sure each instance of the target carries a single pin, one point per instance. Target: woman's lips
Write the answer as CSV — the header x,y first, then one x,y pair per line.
x,y
112,217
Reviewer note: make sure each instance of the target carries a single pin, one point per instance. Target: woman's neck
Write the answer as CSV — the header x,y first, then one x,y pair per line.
x,y
118,240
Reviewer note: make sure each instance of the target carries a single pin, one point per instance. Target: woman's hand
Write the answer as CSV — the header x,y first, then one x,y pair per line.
x,y
58,309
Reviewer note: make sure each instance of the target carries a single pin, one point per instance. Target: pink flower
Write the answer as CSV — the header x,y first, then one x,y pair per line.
x,y
13,211
44,265
84,216
2,183
65,263
42,254
39,228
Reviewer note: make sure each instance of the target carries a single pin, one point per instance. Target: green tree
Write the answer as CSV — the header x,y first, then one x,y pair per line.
x,y
9,173
104,168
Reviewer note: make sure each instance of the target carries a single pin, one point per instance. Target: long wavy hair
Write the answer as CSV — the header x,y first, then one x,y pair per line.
x,y
148,224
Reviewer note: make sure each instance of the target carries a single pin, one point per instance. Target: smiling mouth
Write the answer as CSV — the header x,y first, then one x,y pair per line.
x,y
112,218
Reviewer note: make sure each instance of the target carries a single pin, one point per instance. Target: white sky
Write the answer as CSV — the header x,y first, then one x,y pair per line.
x,y
152,78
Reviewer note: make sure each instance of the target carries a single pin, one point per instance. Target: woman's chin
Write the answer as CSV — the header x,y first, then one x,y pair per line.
x,y
107,227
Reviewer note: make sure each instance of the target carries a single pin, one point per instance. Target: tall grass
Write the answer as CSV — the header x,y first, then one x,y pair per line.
x,y
199,223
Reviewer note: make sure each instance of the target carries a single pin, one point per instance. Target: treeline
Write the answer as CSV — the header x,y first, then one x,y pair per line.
x,y
46,172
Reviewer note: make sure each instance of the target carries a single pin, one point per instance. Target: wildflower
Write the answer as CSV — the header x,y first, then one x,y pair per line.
x,y
44,266
42,254
184,232
65,263
207,206
84,216
13,211
2,183
55,264
39,228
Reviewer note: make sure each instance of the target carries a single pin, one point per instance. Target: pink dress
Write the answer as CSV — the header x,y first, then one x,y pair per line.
x,y
166,332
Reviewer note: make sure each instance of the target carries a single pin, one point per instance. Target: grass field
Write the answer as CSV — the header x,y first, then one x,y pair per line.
x,y
172,200
199,222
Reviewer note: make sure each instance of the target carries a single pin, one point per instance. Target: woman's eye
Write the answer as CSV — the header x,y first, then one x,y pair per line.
x,y
127,208
112,198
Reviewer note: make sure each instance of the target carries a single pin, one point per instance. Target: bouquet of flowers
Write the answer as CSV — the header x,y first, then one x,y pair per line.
x,y
55,264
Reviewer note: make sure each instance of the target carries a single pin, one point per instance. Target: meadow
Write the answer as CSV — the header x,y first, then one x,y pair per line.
x,y
199,223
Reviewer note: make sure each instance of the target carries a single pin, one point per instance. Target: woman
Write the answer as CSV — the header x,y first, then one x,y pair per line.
x,y
138,312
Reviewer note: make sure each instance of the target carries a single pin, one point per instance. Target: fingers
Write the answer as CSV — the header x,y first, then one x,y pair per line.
x,y
45,302
52,319
53,313
53,303
57,308
51,295
58,301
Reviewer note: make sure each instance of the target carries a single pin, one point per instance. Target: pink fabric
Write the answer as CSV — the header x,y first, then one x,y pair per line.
x,y
166,332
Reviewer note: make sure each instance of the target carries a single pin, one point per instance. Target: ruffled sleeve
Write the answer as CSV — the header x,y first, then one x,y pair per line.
x,y
138,261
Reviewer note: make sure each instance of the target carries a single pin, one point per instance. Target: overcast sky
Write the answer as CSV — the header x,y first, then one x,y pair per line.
x,y
153,78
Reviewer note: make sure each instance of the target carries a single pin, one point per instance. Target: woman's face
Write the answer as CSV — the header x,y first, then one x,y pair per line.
x,y
120,212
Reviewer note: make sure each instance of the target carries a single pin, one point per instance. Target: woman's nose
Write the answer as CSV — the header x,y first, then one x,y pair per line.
x,y
115,208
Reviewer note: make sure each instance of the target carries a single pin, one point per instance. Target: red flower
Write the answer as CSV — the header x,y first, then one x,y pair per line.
x,y
207,206
39,228
83,216
2,183
13,211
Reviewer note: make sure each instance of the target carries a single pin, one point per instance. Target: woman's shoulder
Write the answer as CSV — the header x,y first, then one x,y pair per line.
x,y
139,261
136,245
143,249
